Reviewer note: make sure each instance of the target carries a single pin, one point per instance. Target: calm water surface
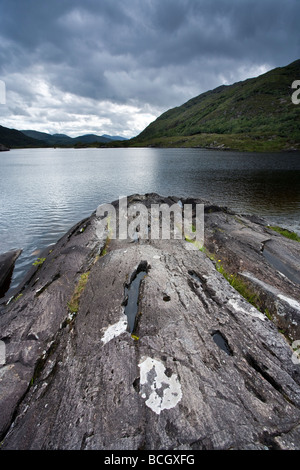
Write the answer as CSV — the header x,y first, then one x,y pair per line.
x,y
43,192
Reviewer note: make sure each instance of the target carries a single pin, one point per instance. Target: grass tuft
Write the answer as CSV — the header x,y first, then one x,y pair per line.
x,y
240,286
286,233
73,305
39,262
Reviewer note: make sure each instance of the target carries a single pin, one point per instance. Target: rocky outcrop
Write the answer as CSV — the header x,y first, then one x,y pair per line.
x,y
3,148
144,344
7,264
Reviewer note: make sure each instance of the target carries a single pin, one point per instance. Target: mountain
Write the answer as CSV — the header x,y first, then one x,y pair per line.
x,y
91,138
51,140
254,114
114,137
65,140
16,139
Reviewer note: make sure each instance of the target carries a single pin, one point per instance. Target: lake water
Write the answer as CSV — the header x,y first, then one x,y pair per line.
x,y
44,192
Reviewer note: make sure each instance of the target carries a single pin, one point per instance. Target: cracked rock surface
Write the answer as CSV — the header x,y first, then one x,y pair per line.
x,y
201,369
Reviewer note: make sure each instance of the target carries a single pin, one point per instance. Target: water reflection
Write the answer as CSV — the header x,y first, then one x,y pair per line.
x,y
43,192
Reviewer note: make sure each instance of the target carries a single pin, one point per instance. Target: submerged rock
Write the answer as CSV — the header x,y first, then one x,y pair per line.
x,y
201,368
3,148
7,264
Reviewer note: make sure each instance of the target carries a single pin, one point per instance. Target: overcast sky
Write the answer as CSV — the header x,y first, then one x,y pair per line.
x,y
113,66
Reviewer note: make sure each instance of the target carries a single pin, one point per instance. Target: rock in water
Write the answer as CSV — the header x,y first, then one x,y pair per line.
x,y
3,148
7,263
201,368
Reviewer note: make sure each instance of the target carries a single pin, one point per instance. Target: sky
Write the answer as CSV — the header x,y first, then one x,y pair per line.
x,y
113,66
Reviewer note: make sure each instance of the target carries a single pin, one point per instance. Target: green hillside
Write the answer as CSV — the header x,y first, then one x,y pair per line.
x,y
12,138
255,114
58,140
51,140
64,140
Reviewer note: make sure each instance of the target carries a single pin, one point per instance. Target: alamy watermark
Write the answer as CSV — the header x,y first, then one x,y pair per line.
x,y
2,92
159,222
296,85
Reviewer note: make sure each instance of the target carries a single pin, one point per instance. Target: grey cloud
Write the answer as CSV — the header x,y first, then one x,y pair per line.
x,y
155,53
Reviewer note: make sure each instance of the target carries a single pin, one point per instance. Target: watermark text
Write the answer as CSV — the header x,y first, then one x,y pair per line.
x,y
296,94
159,222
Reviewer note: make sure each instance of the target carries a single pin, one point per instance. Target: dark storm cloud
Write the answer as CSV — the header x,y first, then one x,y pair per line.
x,y
150,53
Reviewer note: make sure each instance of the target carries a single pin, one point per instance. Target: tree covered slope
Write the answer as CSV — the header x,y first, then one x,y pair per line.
x,y
255,114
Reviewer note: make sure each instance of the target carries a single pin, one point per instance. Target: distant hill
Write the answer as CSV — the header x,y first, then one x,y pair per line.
x,y
51,140
65,140
255,114
91,138
114,137
3,148
12,138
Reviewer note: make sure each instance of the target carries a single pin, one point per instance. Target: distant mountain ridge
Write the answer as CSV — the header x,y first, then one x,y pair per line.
x,y
13,138
254,114
63,139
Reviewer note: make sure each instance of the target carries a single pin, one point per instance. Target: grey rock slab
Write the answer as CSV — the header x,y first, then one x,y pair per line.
x,y
244,244
7,263
286,309
202,368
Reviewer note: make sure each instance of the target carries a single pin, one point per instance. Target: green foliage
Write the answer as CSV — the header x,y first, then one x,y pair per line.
x,y
268,315
286,233
18,297
256,115
240,286
16,139
39,262
73,305
235,281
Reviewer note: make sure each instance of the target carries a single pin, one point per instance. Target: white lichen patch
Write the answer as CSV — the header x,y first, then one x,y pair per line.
x,y
115,330
160,391
237,305
292,302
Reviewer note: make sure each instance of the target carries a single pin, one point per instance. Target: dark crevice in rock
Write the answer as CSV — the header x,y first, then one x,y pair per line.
x,y
5,286
168,372
43,359
86,436
222,342
269,441
42,289
198,286
132,295
7,264
136,384
262,371
251,388
197,277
